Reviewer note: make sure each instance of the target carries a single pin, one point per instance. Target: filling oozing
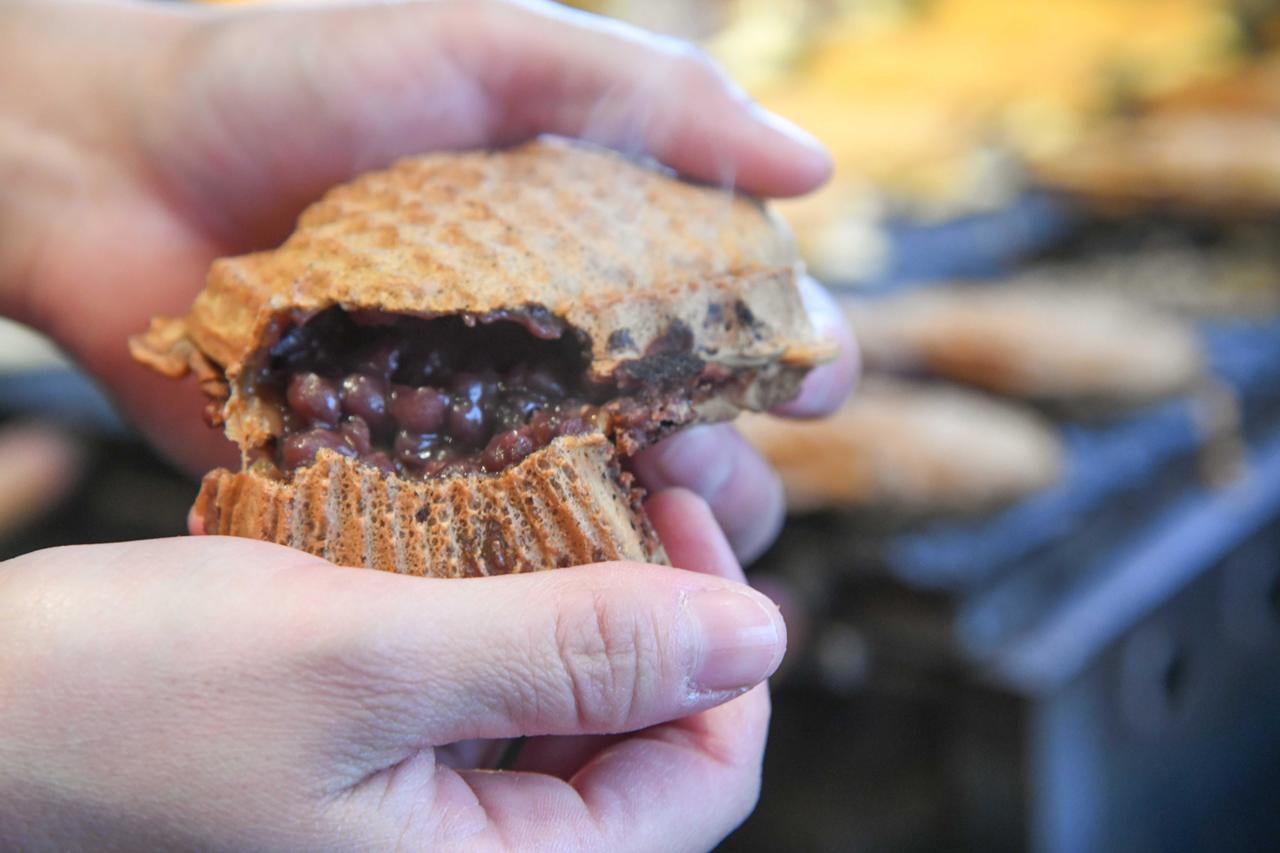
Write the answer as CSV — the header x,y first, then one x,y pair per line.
x,y
427,397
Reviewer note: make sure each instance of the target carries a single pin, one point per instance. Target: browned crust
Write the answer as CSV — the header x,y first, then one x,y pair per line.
x,y
1222,164
626,256
1043,342
620,252
912,449
1212,147
566,505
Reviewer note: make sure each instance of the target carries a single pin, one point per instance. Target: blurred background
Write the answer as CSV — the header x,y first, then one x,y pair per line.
x,y
1032,571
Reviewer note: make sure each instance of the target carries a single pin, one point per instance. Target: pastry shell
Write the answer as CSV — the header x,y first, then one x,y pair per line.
x,y
566,505
648,273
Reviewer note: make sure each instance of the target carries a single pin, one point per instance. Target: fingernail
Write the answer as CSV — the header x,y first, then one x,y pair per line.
x,y
700,459
739,639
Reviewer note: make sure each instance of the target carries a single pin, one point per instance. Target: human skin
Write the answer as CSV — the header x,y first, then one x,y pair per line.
x,y
233,694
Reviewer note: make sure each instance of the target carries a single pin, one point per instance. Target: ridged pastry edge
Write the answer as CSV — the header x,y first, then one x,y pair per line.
x,y
568,504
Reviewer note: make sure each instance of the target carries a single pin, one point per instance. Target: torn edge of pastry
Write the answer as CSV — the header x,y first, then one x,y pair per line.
x,y
567,505
427,374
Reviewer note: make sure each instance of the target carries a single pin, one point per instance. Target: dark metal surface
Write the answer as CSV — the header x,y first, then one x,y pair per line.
x,y
1138,711
1096,668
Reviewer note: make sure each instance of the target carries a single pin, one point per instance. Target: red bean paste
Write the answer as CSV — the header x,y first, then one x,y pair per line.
x,y
441,396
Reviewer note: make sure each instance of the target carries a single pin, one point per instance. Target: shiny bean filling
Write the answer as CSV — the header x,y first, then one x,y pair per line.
x,y
427,397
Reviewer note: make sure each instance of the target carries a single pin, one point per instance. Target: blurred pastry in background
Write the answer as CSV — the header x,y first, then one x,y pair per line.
x,y
910,448
1084,350
1211,147
905,93
932,109
1226,166
1237,277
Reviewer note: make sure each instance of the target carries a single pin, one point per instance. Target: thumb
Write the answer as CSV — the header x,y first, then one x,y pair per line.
x,y
596,649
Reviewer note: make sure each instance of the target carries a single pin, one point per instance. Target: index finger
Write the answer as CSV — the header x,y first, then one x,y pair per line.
x,y
680,786
549,69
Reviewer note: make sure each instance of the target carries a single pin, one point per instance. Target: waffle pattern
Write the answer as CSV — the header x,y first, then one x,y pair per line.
x,y
566,505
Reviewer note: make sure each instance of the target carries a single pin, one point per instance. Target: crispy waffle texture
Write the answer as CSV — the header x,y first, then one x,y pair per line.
x,y
622,253
626,256
564,506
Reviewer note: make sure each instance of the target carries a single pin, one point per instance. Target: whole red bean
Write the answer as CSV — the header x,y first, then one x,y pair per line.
x,y
381,461
506,449
313,397
301,448
417,409
414,447
356,434
467,422
366,397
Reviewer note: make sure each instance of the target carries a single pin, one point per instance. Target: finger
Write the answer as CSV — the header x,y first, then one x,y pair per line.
x,y
689,532
718,465
94,322
467,754
562,757
681,786
250,133
590,650
195,522
39,464
575,74
693,541
826,386
170,414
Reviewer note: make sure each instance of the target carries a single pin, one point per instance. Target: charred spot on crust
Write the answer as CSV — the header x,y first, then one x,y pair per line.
x,y
458,394
676,339
744,314
669,361
659,371
620,340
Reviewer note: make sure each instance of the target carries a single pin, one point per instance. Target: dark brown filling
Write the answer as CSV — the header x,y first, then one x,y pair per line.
x,y
427,397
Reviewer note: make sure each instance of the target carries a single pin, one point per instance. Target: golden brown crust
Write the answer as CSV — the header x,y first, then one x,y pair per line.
x,y
1209,147
565,505
620,252
909,448
1224,164
626,257
1044,343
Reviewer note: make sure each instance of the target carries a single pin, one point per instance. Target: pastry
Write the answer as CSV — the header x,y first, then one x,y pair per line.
x,y
912,449
1211,147
442,369
1043,343
1224,165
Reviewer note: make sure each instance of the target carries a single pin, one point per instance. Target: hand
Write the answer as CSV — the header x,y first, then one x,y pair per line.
x,y
231,694
163,137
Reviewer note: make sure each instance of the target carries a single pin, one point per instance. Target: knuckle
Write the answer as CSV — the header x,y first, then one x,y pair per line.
x,y
609,658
